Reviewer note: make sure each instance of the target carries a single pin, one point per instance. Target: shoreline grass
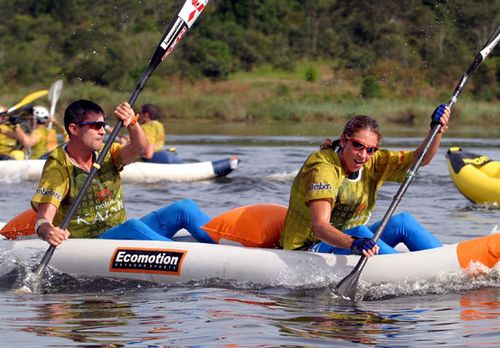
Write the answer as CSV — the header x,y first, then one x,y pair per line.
x,y
268,96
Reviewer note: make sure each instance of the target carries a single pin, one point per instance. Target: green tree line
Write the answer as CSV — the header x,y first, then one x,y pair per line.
x,y
393,44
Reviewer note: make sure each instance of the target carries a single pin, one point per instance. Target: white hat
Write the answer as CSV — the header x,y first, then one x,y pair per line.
x,y
41,113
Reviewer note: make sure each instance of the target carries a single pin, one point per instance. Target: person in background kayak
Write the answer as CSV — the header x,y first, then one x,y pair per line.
x,y
155,133
9,146
149,118
334,194
101,213
41,139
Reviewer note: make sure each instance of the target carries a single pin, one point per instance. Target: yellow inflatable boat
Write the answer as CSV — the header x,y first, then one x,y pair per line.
x,y
477,177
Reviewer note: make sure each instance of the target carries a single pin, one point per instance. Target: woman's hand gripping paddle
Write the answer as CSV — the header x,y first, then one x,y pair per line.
x,y
347,287
185,16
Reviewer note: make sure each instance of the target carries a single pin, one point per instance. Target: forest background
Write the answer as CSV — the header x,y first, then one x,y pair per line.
x,y
258,61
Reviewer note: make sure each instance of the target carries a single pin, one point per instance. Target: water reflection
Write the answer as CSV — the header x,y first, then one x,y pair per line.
x,y
87,321
315,316
354,326
481,304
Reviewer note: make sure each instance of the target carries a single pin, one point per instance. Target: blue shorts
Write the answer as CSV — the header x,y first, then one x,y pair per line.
x,y
401,228
163,224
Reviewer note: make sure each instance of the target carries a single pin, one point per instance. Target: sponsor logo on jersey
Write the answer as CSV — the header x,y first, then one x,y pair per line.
x,y
104,195
42,191
144,260
320,186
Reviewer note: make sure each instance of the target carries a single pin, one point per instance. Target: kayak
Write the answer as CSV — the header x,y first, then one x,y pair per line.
x,y
138,172
185,261
477,177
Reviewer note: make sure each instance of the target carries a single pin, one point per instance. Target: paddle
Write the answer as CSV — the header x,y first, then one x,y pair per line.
x,y
25,101
347,287
183,19
54,94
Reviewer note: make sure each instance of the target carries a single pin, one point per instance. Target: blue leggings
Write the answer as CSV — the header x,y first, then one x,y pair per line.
x,y
401,228
164,157
163,223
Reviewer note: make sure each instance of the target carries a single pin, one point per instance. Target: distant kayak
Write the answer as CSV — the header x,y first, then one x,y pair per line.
x,y
477,177
138,172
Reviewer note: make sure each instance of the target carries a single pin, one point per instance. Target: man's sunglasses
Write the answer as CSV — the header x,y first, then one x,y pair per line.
x,y
359,146
95,125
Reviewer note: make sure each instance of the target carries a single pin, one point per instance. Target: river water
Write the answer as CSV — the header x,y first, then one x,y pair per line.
x,y
99,312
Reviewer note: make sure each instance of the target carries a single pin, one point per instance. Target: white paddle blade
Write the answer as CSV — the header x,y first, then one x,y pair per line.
x,y
54,94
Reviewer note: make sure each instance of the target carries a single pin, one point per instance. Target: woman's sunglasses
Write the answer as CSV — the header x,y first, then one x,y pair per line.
x,y
359,146
95,125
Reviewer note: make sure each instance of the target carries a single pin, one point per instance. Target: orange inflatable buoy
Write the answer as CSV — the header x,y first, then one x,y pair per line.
x,y
21,225
485,250
257,225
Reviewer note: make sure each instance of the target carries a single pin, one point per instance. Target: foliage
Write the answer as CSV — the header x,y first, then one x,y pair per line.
x,y
395,43
370,88
312,75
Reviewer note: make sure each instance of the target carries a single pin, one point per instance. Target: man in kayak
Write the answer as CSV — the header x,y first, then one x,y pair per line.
x,y
101,213
41,139
155,133
334,194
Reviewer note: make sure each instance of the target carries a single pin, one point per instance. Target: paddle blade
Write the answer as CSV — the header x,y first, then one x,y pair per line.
x,y
185,16
347,287
28,99
54,94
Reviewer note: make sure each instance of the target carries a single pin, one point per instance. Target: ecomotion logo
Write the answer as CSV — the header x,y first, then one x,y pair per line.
x,y
143,260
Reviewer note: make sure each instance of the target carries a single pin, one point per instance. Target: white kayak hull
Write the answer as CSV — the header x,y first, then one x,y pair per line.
x,y
138,172
182,262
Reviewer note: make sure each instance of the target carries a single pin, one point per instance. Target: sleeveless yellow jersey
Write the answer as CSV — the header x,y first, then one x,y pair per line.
x,y
7,144
102,206
155,133
353,200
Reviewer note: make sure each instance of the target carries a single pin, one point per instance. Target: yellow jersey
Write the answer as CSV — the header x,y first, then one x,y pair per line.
x,y
353,200
155,134
46,140
7,144
102,206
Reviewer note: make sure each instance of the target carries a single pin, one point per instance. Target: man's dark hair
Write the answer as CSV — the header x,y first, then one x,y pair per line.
x,y
152,110
77,112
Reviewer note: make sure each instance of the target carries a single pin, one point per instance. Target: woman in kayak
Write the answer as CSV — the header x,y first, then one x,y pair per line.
x,y
101,213
334,194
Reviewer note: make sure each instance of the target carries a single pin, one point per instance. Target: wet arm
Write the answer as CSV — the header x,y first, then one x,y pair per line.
x,y
138,146
46,230
323,230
